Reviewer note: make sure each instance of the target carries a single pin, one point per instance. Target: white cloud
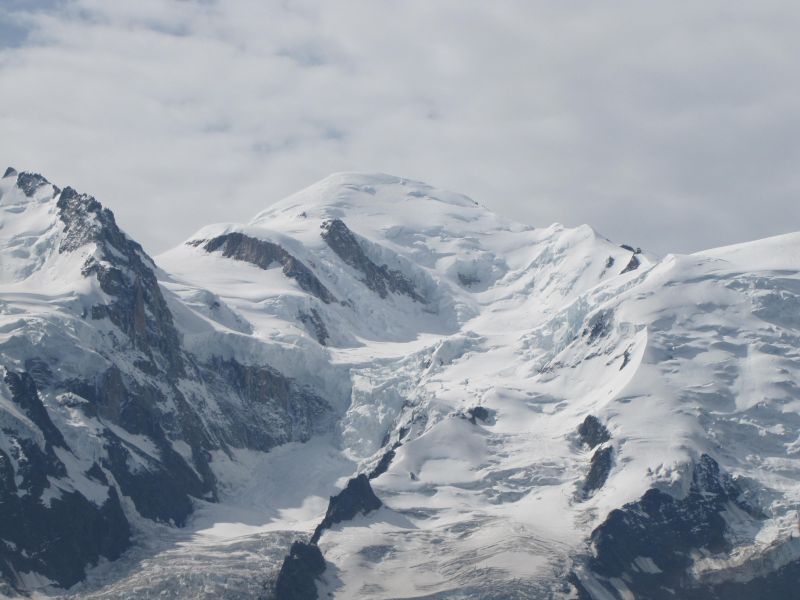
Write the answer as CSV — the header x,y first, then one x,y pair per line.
x,y
672,126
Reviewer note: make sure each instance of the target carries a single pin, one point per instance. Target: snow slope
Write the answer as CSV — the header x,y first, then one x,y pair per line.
x,y
463,352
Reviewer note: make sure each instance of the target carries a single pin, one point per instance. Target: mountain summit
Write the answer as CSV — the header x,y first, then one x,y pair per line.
x,y
380,389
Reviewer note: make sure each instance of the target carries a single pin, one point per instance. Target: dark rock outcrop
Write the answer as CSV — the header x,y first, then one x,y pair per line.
x,y
58,540
315,325
305,563
599,468
357,498
162,489
651,543
388,456
379,278
298,574
592,432
62,535
632,265
264,254
24,393
30,182
384,463
478,413
634,262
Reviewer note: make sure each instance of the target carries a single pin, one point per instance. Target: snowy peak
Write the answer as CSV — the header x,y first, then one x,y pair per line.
x,y
400,256
343,193
62,242
52,233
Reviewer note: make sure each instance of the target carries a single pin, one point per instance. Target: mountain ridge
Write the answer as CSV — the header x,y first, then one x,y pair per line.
x,y
454,356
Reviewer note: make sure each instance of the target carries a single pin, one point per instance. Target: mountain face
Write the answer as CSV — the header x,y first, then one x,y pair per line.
x,y
379,389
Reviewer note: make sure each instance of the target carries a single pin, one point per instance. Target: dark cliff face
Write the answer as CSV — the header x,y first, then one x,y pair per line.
x,y
650,544
599,470
29,183
315,325
125,273
24,393
298,574
264,254
379,278
58,537
162,490
271,409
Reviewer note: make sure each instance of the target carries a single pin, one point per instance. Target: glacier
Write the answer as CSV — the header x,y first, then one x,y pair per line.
x,y
541,412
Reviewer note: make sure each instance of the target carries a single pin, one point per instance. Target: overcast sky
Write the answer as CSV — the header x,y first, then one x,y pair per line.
x,y
674,126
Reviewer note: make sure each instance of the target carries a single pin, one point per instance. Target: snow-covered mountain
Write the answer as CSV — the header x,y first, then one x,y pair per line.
x,y
494,410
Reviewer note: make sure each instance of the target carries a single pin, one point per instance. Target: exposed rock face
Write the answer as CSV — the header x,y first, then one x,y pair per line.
x,y
477,413
313,321
297,577
24,393
651,543
58,537
162,489
124,272
599,469
379,278
29,182
296,580
274,409
357,498
384,463
592,432
264,254
632,265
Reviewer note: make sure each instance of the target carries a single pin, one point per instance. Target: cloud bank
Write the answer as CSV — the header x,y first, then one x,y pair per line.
x,y
671,126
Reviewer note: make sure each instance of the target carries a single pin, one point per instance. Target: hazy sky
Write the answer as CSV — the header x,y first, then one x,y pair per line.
x,y
674,126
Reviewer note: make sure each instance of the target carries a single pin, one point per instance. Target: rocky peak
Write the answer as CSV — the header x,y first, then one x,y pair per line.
x,y
125,272
86,221
29,183
356,498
